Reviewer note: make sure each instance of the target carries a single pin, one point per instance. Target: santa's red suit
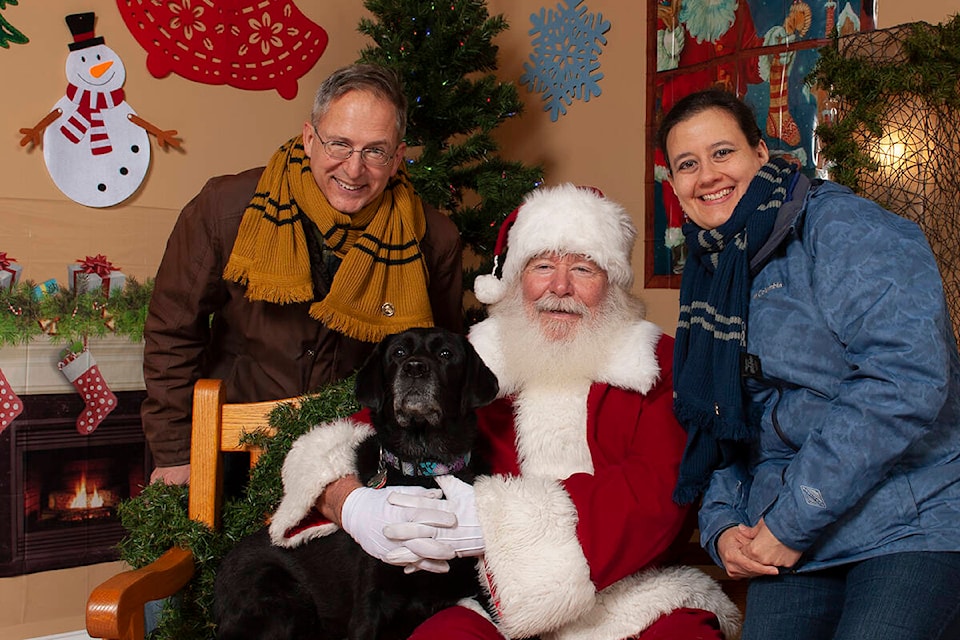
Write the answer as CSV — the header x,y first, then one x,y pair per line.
x,y
578,511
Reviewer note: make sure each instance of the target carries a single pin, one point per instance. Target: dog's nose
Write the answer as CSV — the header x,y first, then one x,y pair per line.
x,y
414,368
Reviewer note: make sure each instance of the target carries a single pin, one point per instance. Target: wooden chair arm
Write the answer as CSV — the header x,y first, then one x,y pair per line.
x,y
115,607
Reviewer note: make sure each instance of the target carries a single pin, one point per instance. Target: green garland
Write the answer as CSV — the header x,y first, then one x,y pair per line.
x,y
865,85
69,317
157,519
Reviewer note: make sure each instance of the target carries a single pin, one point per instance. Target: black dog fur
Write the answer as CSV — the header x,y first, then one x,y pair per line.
x,y
422,387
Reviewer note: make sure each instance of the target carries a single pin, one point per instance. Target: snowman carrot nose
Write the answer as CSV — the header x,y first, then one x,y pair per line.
x,y
98,70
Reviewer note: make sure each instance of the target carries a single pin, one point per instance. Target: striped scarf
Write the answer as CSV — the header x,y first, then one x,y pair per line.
x,y
87,116
712,330
380,287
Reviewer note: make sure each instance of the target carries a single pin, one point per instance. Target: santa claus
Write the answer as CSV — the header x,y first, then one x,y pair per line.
x,y
573,527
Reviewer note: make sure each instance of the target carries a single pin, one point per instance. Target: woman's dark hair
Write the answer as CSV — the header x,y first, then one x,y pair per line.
x,y
694,103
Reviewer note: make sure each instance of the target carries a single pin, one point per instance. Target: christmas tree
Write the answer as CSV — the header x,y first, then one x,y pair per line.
x,y
8,32
444,53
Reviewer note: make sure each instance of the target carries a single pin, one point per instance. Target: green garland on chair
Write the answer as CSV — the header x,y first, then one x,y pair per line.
x,y
157,519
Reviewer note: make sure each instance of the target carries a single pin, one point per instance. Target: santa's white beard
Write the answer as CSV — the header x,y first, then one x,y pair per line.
x,y
533,358
707,20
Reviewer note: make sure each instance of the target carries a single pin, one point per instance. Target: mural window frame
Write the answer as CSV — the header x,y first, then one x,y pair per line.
x,y
764,56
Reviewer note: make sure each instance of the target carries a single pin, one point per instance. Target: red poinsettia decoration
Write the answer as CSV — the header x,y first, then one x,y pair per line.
x,y
248,44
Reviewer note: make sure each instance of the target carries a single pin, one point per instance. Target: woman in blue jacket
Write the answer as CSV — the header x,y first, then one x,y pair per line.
x,y
817,375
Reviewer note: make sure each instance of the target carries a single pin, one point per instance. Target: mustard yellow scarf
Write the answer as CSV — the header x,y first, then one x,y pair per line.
x,y
380,287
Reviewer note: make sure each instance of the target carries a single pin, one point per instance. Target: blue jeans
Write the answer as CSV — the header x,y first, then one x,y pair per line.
x,y
902,596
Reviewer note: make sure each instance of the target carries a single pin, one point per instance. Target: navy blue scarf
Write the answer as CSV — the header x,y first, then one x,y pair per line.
x,y
711,330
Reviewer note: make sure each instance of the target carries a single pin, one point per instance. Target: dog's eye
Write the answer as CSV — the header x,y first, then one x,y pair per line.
x,y
445,354
399,352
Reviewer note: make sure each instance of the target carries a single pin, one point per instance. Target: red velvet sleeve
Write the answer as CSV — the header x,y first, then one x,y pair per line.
x,y
627,517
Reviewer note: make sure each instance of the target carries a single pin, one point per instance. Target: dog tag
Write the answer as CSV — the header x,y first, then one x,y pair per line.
x,y
379,480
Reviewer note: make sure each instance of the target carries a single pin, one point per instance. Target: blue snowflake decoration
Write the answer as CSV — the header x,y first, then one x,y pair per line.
x,y
564,65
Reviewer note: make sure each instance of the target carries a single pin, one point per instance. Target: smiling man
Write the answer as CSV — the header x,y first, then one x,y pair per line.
x,y
280,280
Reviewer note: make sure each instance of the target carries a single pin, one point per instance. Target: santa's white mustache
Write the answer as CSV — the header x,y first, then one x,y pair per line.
x,y
551,302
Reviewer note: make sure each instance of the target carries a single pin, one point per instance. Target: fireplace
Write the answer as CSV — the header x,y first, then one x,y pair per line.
x,y
59,490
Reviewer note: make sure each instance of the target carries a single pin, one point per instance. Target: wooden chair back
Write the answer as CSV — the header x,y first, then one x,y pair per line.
x,y
115,608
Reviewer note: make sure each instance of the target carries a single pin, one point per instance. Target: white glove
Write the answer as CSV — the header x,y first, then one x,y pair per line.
x,y
424,540
367,511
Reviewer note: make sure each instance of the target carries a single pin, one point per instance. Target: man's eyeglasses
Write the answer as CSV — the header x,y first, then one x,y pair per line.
x,y
341,151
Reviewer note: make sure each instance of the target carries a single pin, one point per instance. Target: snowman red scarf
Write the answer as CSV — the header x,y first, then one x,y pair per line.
x,y
87,116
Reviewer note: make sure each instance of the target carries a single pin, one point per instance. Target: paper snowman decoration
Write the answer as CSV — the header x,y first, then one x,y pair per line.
x,y
95,147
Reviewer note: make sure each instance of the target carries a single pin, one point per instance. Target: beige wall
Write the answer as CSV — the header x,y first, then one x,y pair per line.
x,y
227,130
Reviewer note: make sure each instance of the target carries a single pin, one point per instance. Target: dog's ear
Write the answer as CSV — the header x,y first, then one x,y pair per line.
x,y
480,385
369,386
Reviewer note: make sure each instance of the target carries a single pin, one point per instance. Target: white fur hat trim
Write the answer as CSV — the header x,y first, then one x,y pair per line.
x,y
564,219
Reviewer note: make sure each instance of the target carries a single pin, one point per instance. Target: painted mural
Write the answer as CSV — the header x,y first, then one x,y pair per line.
x,y
763,51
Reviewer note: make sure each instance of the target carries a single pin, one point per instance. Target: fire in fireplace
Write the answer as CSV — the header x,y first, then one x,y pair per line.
x,y
61,489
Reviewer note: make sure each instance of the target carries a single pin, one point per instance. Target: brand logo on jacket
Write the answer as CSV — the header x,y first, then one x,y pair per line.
x,y
813,497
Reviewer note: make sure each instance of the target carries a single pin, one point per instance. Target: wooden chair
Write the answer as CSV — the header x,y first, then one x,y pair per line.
x,y
115,608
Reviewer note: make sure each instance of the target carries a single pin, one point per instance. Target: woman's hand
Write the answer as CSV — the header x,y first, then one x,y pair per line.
x,y
730,547
766,549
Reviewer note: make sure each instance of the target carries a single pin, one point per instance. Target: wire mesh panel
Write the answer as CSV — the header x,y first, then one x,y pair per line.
x,y
915,145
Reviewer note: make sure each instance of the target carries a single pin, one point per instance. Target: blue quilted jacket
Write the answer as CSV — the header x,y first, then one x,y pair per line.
x,y
859,385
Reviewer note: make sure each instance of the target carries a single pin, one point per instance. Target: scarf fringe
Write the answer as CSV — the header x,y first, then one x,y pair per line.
x,y
687,492
709,422
364,329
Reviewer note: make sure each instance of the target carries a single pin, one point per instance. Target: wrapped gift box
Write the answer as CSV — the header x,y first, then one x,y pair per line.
x,y
93,273
9,271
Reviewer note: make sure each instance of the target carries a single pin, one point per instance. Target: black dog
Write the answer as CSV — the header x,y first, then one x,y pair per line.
x,y
422,387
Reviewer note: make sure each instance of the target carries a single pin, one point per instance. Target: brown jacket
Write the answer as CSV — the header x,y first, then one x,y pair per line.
x,y
201,326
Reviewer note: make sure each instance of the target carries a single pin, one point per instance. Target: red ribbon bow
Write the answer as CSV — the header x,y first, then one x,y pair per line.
x,y
98,265
5,261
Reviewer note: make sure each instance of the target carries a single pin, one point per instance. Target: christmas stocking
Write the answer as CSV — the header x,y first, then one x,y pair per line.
x,y
780,124
84,374
10,404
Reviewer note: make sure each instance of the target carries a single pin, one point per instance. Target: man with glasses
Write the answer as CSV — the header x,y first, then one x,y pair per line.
x,y
281,279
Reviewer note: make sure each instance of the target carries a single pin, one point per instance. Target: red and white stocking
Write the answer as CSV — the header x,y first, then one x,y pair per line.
x,y
82,371
10,404
780,124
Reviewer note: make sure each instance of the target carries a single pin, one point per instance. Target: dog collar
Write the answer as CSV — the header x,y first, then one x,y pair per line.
x,y
426,467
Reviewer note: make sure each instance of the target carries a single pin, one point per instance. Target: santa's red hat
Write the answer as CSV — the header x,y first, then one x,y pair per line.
x,y
562,219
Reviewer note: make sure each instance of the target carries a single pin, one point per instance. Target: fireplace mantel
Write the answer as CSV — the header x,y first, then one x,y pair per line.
x,y
31,369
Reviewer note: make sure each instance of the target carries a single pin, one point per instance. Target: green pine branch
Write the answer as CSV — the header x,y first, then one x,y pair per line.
x,y
68,316
157,519
866,83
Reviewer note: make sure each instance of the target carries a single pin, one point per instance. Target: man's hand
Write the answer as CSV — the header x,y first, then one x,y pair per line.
x,y
428,541
179,474
367,512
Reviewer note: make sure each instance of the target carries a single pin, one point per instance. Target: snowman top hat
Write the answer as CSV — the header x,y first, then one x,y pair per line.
x,y
81,26
561,219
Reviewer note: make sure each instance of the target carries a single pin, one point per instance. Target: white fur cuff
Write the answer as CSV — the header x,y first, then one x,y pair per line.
x,y
317,458
534,567
629,606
